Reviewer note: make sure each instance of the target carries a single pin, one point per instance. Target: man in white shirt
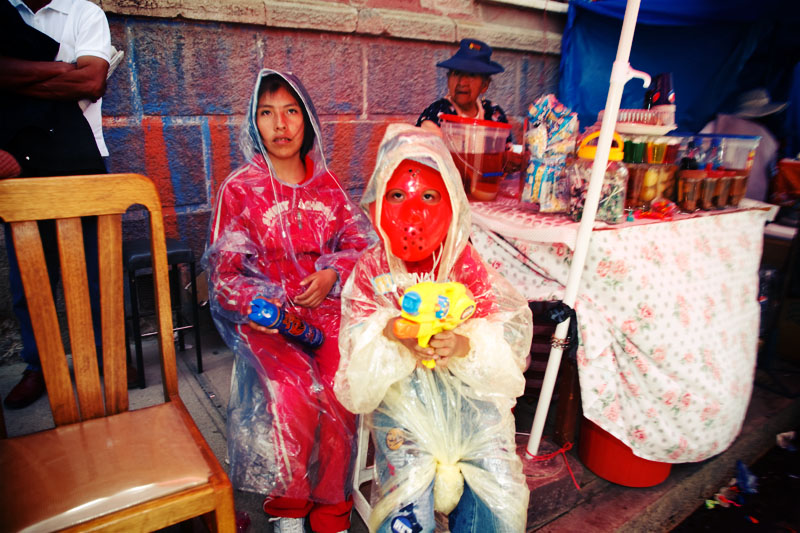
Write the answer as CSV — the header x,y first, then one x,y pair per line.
x,y
52,124
79,70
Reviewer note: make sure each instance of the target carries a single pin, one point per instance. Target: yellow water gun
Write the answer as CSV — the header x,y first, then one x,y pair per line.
x,y
429,308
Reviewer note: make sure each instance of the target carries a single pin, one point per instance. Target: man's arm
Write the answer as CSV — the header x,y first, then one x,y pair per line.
x,y
19,73
55,80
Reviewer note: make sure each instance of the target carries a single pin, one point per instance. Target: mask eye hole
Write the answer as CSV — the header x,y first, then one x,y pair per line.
x,y
395,196
431,196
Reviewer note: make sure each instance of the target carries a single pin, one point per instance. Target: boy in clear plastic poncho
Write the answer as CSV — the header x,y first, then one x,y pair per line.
x,y
444,437
284,230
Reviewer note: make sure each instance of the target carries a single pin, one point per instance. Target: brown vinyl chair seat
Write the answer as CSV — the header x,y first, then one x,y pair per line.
x,y
48,487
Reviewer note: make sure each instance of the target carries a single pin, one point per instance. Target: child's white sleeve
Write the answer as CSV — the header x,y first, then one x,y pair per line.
x,y
370,363
492,366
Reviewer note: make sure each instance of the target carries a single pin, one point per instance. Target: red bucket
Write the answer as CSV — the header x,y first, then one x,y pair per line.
x,y
609,458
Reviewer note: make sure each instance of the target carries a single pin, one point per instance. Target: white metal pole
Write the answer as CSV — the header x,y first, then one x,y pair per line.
x,y
621,72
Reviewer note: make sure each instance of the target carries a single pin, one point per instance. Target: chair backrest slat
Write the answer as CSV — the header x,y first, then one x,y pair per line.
x,y
79,317
39,297
112,304
23,201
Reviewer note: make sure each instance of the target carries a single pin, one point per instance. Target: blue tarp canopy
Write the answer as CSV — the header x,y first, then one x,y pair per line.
x,y
714,49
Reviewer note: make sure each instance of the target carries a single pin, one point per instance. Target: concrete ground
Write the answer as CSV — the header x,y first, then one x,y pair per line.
x,y
599,506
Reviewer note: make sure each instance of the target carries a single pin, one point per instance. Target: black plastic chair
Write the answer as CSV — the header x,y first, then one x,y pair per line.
x,y
136,257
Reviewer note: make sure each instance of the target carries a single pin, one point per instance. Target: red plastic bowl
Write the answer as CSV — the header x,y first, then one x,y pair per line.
x,y
609,458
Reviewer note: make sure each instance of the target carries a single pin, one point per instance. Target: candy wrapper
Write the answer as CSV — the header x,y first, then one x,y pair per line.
x,y
546,184
550,140
560,122
611,207
536,141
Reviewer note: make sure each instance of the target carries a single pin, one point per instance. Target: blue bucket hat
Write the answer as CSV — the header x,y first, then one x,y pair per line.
x,y
473,57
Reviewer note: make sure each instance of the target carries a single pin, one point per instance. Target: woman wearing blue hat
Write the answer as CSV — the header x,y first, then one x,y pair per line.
x,y
468,77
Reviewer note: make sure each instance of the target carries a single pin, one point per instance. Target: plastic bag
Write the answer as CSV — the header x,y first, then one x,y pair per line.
x,y
550,139
547,183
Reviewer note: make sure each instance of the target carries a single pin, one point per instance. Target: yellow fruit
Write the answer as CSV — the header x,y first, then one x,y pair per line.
x,y
648,193
650,178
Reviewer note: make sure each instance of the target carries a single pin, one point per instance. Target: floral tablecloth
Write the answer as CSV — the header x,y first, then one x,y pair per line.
x,y
668,319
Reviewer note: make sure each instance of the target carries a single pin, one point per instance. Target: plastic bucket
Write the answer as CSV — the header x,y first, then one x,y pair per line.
x,y
477,147
737,150
609,458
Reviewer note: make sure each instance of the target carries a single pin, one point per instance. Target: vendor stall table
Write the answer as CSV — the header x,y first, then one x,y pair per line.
x,y
667,316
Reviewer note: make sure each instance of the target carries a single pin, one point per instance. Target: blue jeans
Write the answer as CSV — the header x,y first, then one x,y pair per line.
x,y
471,515
47,231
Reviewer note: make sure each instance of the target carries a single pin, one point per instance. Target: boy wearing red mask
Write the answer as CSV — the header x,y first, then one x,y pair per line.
x,y
284,230
444,436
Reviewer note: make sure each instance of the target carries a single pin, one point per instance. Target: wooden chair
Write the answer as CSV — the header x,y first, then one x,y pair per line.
x,y
103,467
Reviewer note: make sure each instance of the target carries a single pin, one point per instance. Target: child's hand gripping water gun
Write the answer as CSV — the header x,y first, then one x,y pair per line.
x,y
429,308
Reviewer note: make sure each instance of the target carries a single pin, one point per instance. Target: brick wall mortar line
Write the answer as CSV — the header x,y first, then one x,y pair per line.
x,y
340,18
364,83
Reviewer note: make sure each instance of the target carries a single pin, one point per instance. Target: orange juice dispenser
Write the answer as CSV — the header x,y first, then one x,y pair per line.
x,y
478,150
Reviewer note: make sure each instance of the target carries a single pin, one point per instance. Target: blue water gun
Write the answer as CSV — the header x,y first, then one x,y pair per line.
x,y
288,324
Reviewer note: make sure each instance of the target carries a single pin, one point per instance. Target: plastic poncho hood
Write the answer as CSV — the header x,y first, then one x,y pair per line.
x,y
250,140
408,142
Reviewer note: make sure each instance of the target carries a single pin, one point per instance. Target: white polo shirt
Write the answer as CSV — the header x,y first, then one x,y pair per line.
x,y
81,29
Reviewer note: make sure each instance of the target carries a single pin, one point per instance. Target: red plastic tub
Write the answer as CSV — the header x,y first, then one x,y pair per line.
x,y
609,458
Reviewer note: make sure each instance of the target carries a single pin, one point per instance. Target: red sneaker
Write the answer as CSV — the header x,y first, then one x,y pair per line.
x,y
29,389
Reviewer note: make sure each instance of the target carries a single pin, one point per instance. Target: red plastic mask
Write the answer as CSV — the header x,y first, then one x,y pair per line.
x,y
416,211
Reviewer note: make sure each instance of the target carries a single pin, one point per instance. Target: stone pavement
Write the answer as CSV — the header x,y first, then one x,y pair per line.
x,y
556,504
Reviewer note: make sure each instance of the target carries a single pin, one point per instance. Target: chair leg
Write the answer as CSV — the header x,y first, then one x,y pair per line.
x,y
128,335
135,326
223,519
196,319
127,342
362,473
175,296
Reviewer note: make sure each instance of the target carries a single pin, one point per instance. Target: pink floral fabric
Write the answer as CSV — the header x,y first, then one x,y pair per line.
x,y
668,323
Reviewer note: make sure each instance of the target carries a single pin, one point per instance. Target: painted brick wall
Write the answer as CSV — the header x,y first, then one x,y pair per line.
x,y
174,107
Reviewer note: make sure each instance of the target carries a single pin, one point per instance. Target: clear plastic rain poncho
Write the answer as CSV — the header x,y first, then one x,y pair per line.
x,y
287,434
452,424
